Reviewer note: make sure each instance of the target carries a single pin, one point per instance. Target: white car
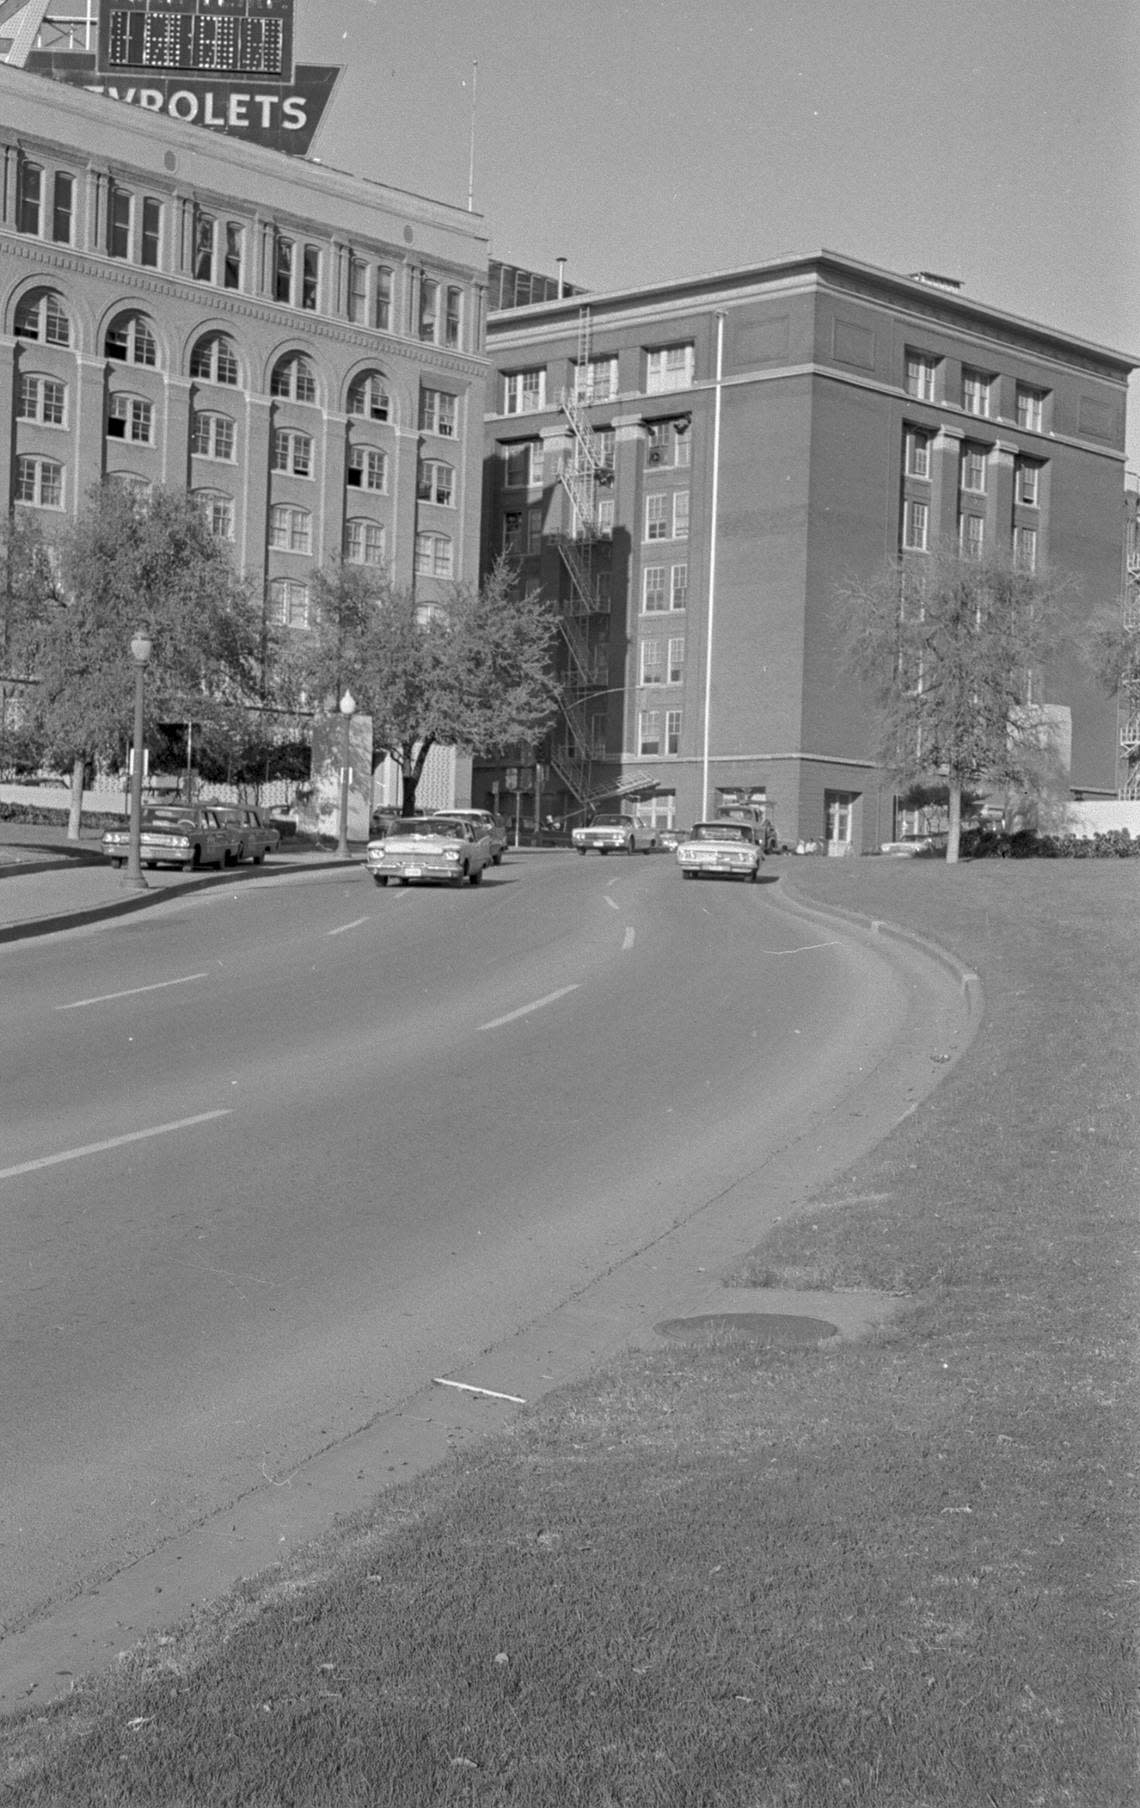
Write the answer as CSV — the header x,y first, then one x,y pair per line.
x,y
484,819
430,847
614,834
727,848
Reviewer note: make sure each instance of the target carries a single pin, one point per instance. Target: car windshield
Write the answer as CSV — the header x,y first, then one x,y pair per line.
x,y
167,819
420,830
612,822
721,831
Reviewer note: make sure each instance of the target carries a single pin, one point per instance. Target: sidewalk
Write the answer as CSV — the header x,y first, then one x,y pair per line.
x,y
48,883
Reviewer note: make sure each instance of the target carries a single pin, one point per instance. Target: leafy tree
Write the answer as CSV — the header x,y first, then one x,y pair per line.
x,y
134,561
471,671
27,587
951,650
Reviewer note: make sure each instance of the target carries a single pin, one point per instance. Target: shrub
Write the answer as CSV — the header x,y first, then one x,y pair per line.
x,y
988,843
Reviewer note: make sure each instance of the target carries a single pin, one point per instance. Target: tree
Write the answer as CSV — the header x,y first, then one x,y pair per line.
x,y
148,561
27,587
471,671
951,650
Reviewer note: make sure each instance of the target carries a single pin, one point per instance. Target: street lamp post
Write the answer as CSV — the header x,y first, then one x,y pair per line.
x,y
140,654
347,710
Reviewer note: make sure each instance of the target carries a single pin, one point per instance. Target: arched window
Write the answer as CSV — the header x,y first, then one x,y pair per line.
x,y
42,315
367,468
368,397
293,379
364,543
131,340
214,360
434,557
213,436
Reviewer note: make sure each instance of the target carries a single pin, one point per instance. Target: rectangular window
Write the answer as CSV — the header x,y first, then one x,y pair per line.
x,y
212,436
438,412
675,660
605,519
668,443
971,536
382,299
974,465
680,514
288,603
652,665
649,731
367,469
921,376
29,195
916,445
667,368
41,399
283,270
1030,408
150,236
976,391
657,516
524,391
672,731
364,543
118,222
429,309
63,207
39,481
436,483
205,227
916,526
219,513
132,419
680,593
290,529
433,556
534,528
653,601
523,462
605,448
1028,483
231,262
357,289
512,532
596,380
310,278
453,318
292,452
1025,548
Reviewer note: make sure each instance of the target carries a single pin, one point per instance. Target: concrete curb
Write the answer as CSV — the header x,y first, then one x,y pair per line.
x,y
99,913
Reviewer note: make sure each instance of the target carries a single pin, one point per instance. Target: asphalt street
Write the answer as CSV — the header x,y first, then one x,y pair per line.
x,y
277,1152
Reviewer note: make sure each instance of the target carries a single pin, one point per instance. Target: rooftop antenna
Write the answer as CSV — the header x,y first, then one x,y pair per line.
x,y
471,152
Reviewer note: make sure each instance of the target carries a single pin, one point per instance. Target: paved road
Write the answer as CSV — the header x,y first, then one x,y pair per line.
x,y
276,1153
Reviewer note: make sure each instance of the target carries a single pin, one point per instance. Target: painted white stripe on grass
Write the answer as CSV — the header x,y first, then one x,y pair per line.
x,y
111,1142
132,992
613,903
526,1009
488,1393
345,927
627,944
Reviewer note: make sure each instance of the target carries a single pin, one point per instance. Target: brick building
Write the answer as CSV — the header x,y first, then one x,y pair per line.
x,y
693,468
299,347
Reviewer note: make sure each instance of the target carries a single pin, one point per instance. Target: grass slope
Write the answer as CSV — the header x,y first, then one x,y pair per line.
x,y
901,1573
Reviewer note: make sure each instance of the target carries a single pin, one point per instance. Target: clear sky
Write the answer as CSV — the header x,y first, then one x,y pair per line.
x,y
996,141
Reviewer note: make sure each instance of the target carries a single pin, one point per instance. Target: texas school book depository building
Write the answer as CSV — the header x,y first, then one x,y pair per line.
x,y
300,348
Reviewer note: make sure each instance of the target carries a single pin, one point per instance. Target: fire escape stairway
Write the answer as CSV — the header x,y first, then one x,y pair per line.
x,y
578,474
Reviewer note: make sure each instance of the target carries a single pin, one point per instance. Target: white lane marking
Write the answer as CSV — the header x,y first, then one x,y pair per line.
x,y
346,926
612,902
489,1393
627,944
806,949
132,992
112,1142
526,1009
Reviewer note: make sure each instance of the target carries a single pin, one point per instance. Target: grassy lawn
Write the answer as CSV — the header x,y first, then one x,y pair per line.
x,y
901,1573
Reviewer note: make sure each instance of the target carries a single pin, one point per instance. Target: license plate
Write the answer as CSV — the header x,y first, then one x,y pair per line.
x,y
413,872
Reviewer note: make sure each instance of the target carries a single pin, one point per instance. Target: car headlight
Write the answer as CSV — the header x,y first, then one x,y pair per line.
x,y
451,853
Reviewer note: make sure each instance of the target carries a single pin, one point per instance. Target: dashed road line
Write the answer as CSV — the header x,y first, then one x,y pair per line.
x,y
111,1142
525,1010
345,927
132,992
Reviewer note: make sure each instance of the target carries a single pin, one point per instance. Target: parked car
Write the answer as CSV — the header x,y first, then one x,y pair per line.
x,y
614,833
185,835
495,826
254,835
430,847
672,838
725,847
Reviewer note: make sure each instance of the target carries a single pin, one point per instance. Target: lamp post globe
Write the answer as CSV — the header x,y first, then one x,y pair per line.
x,y
141,648
347,708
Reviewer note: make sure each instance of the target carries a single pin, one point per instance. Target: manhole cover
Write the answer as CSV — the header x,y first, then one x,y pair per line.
x,y
761,1327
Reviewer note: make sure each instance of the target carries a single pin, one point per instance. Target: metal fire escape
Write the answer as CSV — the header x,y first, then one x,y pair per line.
x,y
582,472
1130,689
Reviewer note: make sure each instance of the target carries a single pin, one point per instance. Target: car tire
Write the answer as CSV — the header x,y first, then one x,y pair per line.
x,y
259,859
496,859
688,875
582,851
379,878
631,846
405,882
754,875
603,852
476,876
